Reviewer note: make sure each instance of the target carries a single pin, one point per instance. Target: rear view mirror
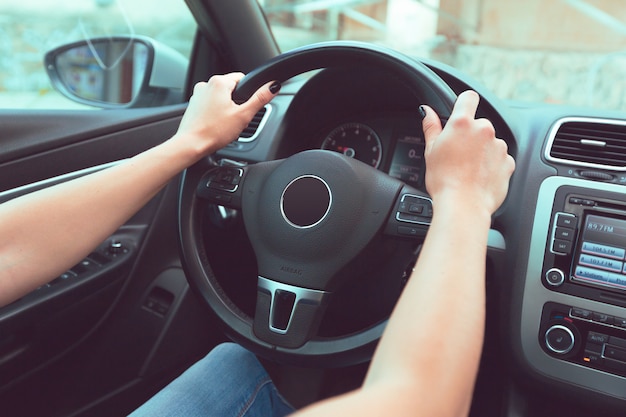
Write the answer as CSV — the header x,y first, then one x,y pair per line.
x,y
118,72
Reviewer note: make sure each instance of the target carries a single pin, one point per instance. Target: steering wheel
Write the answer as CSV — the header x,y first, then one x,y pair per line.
x,y
307,216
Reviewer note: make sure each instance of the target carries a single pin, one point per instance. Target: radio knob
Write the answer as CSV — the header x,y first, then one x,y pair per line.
x,y
555,277
559,339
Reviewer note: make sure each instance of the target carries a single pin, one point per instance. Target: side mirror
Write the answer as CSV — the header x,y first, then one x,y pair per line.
x,y
118,72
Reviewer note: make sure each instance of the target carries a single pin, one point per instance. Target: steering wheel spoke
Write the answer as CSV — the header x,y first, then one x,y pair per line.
x,y
287,315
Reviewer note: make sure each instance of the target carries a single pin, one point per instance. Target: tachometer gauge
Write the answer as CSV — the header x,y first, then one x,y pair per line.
x,y
355,140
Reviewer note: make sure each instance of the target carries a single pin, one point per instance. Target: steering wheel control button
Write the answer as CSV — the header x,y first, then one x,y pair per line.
x,y
559,339
555,277
225,179
306,201
220,186
408,231
415,209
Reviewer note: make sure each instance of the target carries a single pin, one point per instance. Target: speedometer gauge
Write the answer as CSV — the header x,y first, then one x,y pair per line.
x,y
355,140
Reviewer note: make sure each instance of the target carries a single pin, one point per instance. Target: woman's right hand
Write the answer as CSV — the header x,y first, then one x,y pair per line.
x,y
465,162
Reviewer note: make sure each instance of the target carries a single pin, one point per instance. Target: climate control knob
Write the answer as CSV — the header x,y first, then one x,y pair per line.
x,y
559,339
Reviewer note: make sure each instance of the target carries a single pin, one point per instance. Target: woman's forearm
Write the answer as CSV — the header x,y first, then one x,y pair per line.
x,y
434,337
51,230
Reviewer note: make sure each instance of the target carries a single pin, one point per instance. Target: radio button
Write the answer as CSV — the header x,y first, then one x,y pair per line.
x,y
564,233
604,263
617,279
561,246
591,274
566,220
555,277
589,203
604,250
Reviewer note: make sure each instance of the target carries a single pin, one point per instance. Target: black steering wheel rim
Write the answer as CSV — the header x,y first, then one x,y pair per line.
x,y
420,79
341,351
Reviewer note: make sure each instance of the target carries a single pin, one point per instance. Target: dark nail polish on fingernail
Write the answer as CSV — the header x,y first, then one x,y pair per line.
x,y
275,88
422,111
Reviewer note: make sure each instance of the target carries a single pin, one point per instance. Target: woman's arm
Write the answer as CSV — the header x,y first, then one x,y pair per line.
x,y
47,232
427,359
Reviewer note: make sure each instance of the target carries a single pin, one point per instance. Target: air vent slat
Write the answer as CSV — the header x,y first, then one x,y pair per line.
x,y
592,143
254,125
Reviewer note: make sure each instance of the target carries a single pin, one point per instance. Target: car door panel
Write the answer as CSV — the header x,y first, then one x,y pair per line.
x,y
125,321
63,142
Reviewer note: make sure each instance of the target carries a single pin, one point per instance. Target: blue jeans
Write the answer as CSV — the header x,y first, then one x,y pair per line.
x,y
228,382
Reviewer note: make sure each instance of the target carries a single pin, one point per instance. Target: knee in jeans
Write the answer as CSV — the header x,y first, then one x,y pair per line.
x,y
229,351
235,358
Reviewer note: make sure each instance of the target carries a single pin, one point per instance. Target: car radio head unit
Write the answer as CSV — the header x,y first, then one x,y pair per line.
x,y
585,256
587,245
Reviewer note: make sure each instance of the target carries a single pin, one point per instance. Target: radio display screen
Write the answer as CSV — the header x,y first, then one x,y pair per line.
x,y
601,255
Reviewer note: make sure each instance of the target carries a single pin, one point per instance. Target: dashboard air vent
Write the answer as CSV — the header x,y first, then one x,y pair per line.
x,y
589,142
251,132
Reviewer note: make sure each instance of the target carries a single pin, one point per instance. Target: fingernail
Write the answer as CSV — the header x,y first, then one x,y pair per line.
x,y
275,87
422,111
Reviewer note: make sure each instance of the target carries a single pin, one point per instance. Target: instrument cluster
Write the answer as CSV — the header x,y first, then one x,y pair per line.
x,y
394,145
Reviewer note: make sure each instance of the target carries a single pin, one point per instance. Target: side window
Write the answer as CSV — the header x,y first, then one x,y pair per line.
x,y
31,28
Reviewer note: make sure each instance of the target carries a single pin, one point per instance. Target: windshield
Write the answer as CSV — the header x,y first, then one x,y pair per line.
x,y
556,51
